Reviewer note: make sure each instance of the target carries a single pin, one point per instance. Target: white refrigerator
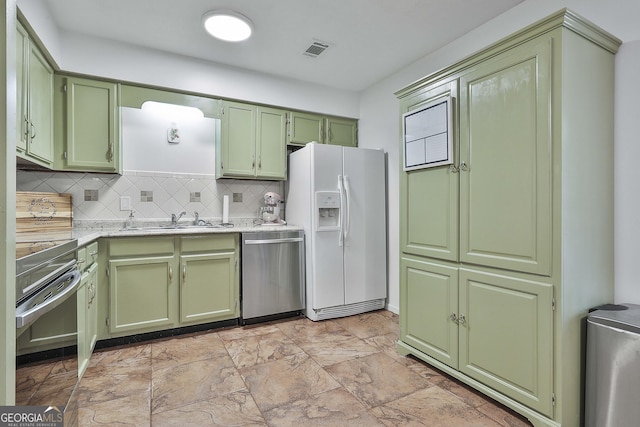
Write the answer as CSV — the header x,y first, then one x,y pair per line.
x,y
338,195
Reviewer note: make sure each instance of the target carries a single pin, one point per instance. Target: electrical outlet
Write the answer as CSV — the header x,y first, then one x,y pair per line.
x,y
125,203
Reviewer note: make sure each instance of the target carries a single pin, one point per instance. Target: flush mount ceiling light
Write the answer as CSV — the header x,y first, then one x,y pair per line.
x,y
227,25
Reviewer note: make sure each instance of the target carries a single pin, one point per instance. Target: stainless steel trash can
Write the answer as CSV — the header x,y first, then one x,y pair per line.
x,y
612,395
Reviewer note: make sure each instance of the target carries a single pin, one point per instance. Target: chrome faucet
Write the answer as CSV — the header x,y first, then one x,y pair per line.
x,y
196,217
175,219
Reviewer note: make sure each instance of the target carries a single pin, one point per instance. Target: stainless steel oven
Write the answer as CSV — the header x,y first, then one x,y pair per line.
x,y
44,280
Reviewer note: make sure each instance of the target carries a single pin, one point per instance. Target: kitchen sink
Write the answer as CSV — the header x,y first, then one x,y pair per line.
x,y
183,227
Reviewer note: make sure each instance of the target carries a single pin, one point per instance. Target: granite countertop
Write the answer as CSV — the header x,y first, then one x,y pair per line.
x,y
87,231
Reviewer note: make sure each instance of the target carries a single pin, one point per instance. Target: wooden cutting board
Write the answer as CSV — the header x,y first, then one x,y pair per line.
x,y
43,212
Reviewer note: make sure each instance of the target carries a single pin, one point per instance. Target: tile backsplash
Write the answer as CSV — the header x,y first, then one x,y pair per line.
x,y
152,195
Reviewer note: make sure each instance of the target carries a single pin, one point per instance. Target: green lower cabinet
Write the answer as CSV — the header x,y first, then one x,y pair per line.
x,y
494,328
87,308
206,288
143,294
55,329
429,295
158,283
506,335
209,281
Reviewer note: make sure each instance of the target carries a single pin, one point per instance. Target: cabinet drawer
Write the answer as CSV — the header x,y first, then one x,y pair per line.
x,y
141,246
218,242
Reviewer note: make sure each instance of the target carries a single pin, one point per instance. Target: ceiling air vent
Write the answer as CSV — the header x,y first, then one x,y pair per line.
x,y
315,49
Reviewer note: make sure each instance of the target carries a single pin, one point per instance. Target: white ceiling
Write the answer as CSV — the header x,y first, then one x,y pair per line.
x,y
369,39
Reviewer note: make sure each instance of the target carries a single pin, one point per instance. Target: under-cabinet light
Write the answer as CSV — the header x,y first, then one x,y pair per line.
x,y
172,111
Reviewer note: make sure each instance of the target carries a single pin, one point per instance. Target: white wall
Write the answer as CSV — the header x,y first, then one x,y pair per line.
x,y
380,125
627,173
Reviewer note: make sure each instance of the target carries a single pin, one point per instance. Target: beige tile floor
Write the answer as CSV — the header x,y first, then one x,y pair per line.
x,y
294,372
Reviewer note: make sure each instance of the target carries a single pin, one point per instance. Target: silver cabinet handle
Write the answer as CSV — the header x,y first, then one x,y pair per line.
x,y
453,169
462,319
269,241
170,273
26,128
453,317
184,272
464,166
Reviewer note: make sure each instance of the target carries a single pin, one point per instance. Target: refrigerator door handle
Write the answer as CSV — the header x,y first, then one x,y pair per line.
x,y
341,215
347,193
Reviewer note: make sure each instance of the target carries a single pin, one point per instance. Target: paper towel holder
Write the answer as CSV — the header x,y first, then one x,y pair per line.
x,y
225,211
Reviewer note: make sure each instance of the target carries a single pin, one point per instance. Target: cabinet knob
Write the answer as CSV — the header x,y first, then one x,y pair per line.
x,y
462,319
464,166
453,317
453,169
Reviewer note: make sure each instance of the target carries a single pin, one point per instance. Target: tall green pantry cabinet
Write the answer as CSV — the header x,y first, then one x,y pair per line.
x,y
504,250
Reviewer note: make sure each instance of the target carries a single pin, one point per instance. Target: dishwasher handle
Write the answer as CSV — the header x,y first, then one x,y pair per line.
x,y
269,241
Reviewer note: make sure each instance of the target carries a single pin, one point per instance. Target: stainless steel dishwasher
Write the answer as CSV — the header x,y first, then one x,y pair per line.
x,y
272,274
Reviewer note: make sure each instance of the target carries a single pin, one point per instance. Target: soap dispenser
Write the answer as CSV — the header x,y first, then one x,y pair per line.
x,y
129,222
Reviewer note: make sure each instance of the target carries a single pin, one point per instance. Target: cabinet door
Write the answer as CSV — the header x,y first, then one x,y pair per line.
x,y
22,78
271,147
341,132
82,296
429,306
40,107
142,294
506,336
92,307
91,141
505,157
304,128
237,156
207,288
429,223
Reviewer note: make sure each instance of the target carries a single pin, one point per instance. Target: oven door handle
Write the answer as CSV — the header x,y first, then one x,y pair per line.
x,y
26,315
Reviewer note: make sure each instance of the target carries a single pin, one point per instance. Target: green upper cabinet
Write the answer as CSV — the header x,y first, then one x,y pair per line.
x,y
341,132
429,225
505,161
34,102
271,148
304,128
252,142
87,119
307,127
488,208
